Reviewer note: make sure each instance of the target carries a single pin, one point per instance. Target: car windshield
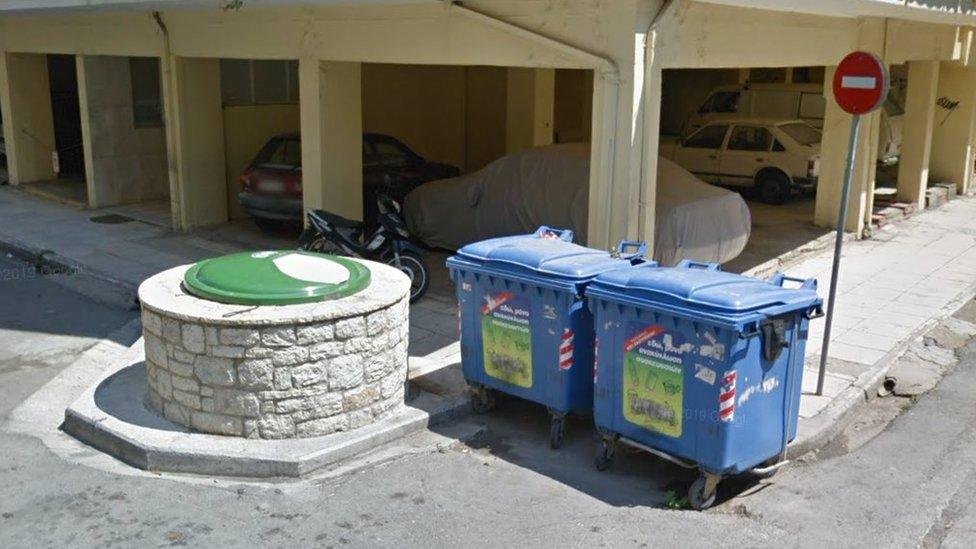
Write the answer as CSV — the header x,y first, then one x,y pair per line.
x,y
802,133
280,153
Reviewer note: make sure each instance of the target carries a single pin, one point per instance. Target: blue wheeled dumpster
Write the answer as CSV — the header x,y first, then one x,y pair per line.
x,y
700,367
525,329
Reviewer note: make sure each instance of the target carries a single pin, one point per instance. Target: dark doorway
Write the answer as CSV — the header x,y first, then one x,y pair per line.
x,y
63,76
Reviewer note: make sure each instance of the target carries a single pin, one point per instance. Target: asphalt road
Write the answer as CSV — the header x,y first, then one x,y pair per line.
x,y
912,484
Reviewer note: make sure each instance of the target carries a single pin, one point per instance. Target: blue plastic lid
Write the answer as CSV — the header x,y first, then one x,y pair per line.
x,y
548,252
704,287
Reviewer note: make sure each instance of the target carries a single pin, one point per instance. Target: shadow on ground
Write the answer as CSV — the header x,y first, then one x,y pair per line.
x,y
518,433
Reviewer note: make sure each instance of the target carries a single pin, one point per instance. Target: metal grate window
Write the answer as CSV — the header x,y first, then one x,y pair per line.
x,y
147,100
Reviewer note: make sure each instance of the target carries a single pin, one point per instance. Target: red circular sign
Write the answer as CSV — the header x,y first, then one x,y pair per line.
x,y
861,83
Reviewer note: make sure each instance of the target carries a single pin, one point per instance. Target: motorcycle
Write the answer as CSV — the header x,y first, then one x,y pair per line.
x,y
389,243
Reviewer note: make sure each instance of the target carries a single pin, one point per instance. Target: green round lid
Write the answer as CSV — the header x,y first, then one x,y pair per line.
x,y
282,277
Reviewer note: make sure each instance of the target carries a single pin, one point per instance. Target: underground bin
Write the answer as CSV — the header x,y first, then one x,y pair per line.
x,y
700,367
525,329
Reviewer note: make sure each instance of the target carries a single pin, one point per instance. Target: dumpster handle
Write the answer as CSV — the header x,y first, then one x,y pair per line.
x,y
691,264
755,331
638,254
663,455
805,283
544,231
814,312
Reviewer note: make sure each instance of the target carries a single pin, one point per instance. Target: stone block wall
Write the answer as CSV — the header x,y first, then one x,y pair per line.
x,y
302,379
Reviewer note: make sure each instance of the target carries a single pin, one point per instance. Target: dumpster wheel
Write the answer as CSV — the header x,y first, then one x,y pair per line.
x,y
604,456
483,400
702,493
557,428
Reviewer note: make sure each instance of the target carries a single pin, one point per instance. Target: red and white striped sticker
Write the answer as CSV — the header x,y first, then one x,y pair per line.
x,y
726,398
566,350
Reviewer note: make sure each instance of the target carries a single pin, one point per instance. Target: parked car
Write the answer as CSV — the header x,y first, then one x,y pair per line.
x,y
794,101
776,157
271,186
550,186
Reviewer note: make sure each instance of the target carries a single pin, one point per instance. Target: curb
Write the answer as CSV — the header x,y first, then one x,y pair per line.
x,y
160,446
77,277
819,430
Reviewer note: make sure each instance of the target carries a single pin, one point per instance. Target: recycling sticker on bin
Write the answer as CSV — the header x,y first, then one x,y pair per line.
x,y
506,338
653,379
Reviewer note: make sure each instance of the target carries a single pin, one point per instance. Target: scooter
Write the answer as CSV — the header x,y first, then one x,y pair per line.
x,y
390,242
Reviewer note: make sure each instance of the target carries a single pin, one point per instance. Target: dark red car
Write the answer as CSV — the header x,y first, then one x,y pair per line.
x,y
271,187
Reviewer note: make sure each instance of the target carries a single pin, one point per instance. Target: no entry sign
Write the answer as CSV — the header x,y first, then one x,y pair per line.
x,y
861,83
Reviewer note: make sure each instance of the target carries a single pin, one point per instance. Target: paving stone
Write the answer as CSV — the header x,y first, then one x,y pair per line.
x,y
237,403
256,374
322,427
214,371
193,339
217,423
315,333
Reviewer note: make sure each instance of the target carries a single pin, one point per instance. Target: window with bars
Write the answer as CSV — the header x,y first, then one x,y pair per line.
x,y
147,99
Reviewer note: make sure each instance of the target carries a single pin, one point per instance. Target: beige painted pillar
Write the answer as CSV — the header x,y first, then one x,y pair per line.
x,y
94,192
913,169
194,118
332,136
952,136
530,102
836,137
28,123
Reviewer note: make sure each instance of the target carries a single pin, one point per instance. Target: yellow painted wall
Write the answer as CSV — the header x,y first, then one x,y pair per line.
x,y
28,123
683,90
573,105
484,116
246,130
198,129
421,105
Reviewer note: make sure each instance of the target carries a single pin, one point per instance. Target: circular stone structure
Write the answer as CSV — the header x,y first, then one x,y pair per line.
x,y
276,371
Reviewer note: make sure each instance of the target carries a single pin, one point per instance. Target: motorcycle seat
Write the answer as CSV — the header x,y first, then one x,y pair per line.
x,y
338,220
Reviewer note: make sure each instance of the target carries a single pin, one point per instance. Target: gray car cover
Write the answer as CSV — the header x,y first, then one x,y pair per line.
x,y
550,186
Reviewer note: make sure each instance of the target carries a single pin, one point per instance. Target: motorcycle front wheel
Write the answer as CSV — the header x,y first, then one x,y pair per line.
x,y
416,269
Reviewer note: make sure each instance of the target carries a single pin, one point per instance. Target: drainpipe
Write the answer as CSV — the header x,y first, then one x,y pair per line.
x,y
643,200
601,64
175,187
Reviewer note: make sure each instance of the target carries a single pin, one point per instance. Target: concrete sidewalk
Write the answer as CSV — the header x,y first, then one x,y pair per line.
x,y
893,287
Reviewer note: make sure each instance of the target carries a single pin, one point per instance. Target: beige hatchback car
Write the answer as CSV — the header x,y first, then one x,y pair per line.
x,y
777,157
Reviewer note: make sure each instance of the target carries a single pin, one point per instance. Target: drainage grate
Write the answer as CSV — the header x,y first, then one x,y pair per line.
x,y
111,219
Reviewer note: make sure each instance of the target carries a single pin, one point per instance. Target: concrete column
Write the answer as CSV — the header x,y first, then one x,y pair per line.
x,y
195,121
952,136
529,113
332,136
124,164
913,169
833,159
28,123
95,198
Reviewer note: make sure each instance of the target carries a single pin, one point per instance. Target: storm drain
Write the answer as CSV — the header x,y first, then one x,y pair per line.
x,y
111,219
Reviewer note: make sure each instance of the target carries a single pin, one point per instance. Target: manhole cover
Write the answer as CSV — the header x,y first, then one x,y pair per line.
x,y
275,277
111,219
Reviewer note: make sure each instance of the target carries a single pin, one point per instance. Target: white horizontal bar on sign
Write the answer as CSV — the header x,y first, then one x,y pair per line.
x,y
859,82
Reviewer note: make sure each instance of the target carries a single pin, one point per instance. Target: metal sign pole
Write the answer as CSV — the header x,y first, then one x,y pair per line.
x,y
838,244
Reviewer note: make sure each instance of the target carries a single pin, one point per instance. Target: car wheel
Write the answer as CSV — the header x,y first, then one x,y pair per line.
x,y
774,188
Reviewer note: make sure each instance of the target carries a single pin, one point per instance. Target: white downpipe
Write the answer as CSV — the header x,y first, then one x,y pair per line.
x,y
648,204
